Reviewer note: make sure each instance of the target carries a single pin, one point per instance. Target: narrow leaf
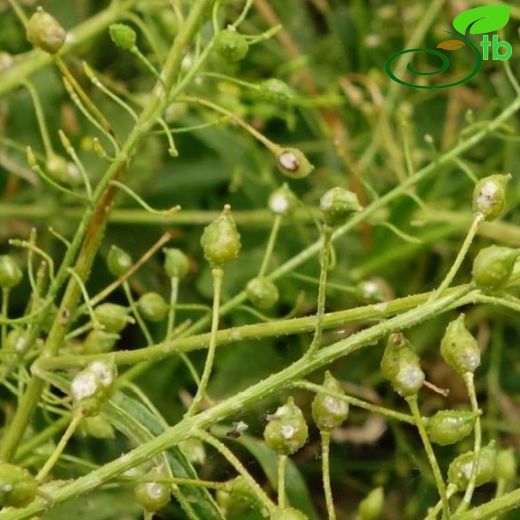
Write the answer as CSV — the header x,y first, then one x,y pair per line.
x,y
451,45
480,20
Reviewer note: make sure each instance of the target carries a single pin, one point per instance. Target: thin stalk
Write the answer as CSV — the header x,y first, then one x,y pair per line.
x,y
217,274
419,422
270,245
435,510
5,311
282,469
468,495
325,470
137,314
174,292
322,290
40,117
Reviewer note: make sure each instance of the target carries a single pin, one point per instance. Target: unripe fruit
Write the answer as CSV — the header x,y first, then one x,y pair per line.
x,y
276,91
293,163
176,263
374,290
282,201
63,171
152,495
400,365
337,204
450,426
459,348
493,266
288,513
232,45
17,486
506,467
489,196
99,342
461,467
123,36
371,507
118,261
10,273
44,31
193,450
329,412
221,240
98,427
152,307
286,432
262,293
113,317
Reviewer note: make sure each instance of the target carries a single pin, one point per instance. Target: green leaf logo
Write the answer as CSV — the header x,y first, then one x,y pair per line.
x,y
480,20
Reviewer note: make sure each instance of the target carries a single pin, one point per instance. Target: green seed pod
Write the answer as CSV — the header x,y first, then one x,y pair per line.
x,y
112,316
17,486
221,240
44,32
232,45
493,267
237,499
118,261
16,340
63,171
152,495
152,307
123,36
262,293
282,201
98,427
371,507
450,426
329,412
176,263
91,387
489,197
193,450
461,467
506,466
400,365
286,432
288,513
374,290
10,273
459,348
276,91
337,204
99,342
293,163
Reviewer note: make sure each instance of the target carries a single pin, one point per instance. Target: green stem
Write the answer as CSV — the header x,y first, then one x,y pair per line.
x,y
441,487
137,315
40,117
282,468
325,470
270,245
174,292
218,274
495,507
5,314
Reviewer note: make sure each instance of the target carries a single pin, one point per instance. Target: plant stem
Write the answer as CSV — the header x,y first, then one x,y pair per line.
x,y
5,314
137,315
282,468
441,487
468,495
270,245
217,274
325,470
174,291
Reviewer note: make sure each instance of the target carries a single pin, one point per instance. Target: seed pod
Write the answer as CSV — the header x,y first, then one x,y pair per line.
x,y
400,365
506,467
10,273
293,163
44,32
91,387
371,507
152,307
16,340
232,45
98,427
118,261
282,201
489,197
221,240
288,513
99,342
286,432
337,204
63,171
329,412
276,91
493,267
450,426
112,316
262,293
193,450
176,263
123,36
237,498
459,348
374,290
461,467
17,486
152,495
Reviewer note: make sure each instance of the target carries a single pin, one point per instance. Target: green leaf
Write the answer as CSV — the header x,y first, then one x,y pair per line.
x,y
480,20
